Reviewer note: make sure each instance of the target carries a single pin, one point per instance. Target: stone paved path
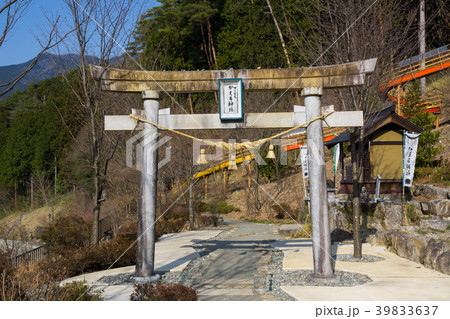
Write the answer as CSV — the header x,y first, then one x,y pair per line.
x,y
238,265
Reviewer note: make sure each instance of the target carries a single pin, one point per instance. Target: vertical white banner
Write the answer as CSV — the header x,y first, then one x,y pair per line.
x,y
411,141
304,157
337,153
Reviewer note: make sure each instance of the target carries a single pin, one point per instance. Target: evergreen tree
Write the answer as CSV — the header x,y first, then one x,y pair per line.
x,y
32,130
249,38
177,35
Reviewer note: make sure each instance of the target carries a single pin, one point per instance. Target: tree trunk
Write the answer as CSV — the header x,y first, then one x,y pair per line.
x,y
191,105
191,206
31,193
211,43
257,186
356,201
206,48
225,181
96,167
277,170
56,176
15,195
95,224
283,45
96,211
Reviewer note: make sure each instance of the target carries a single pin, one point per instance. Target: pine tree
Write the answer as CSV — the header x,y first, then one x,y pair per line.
x,y
249,38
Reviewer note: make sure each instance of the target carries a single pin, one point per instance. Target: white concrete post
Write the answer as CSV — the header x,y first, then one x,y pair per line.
x,y
145,257
320,223
422,46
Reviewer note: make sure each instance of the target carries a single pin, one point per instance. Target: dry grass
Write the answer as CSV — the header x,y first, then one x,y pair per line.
x,y
28,221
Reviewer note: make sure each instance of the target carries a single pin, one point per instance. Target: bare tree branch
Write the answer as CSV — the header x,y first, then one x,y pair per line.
x,y
13,14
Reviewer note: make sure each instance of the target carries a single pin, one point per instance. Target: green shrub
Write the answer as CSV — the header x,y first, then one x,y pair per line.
x,y
414,111
163,292
424,172
434,230
442,174
79,291
439,174
202,207
222,208
411,214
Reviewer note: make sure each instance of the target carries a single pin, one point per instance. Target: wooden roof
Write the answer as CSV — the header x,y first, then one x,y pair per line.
x,y
377,121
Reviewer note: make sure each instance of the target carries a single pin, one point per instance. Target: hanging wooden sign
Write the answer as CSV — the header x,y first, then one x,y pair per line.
x,y
230,99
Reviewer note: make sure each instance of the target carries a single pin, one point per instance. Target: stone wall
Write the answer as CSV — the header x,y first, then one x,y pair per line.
x,y
430,252
421,235
391,212
430,191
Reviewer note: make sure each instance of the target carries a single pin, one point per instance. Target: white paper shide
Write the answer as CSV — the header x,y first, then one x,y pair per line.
x,y
304,157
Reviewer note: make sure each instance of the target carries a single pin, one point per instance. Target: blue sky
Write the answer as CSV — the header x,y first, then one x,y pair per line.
x,y
21,44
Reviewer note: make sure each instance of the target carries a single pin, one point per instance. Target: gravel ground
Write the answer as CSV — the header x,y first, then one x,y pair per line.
x,y
182,277
364,259
120,279
274,278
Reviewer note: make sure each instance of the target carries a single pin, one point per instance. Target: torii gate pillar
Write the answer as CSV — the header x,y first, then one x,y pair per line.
x,y
145,255
320,223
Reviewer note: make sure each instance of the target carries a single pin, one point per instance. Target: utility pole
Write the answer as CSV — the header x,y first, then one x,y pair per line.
x,y
56,174
422,42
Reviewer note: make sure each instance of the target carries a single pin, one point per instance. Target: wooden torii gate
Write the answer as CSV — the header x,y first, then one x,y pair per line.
x,y
311,80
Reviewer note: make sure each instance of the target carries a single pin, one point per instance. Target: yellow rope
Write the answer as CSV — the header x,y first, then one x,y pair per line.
x,y
234,146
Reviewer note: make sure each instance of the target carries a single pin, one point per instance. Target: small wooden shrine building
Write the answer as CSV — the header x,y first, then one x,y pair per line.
x,y
383,153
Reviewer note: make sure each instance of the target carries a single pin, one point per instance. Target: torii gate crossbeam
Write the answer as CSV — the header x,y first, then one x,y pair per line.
x,y
327,77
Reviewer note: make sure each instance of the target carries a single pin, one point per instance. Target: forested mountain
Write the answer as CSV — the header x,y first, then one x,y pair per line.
x,y
35,128
47,66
